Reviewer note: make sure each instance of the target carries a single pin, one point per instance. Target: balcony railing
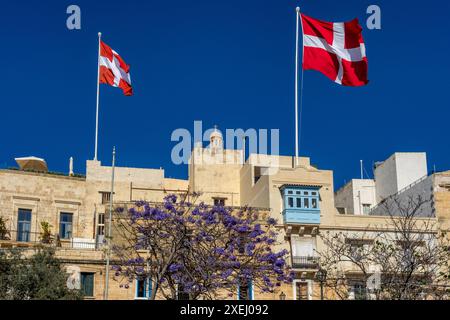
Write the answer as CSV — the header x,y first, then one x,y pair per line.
x,y
28,238
305,262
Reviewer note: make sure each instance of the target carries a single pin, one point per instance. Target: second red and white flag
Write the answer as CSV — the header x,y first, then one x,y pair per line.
x,y
335,49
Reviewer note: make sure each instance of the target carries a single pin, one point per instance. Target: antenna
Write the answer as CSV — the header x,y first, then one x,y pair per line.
x,y
71,166
361,163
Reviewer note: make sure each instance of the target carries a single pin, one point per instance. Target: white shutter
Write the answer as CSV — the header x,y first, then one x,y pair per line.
x,y
303,247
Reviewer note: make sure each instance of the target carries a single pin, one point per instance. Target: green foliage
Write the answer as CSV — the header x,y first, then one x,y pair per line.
x,y
4,233
46,232
75,175
36,277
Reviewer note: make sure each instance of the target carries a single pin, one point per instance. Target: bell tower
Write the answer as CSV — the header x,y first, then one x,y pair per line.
x,y
216,140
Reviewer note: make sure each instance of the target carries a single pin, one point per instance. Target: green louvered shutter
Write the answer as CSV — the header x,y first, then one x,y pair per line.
x,y
87,284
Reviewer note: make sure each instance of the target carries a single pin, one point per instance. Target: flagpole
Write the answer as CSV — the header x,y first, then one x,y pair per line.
x,y
298,114
98,94
296,86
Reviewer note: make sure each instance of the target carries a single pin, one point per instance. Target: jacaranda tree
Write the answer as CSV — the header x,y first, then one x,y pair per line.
x,y
197,251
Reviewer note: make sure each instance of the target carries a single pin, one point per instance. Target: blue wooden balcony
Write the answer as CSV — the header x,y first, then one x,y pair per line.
x,y
301,204
301,216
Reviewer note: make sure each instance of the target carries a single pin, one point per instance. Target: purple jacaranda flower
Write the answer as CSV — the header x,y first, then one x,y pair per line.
x,y
249,248
120,209
139,270
174,267
140,203
226,274
277,270
169,206
243,228
280,263
171,198
219,250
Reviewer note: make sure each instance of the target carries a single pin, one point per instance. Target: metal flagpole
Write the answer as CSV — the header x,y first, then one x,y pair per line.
x,y
109,226
298,115
361,163
98,94
296,86
301,83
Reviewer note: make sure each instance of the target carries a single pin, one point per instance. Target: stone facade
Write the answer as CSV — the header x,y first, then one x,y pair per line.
x,y
221,176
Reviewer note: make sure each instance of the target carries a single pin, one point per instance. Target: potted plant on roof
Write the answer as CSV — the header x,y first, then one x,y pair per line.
x,y
4,232
46,232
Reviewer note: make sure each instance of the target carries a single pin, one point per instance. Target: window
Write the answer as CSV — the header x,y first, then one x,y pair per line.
x,y
106,197
306,203
65,225
241,243
366,208
258,172
290,202
101,224
87,283
301,198
245,290
23,225
143,288
301,290
358,248
219,201
356,251
358,291
303,246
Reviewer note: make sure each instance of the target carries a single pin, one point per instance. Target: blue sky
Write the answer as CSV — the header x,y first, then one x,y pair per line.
x,y
229,63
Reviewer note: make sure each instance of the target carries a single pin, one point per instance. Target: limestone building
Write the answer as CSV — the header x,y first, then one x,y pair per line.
x,y
297,194
400,182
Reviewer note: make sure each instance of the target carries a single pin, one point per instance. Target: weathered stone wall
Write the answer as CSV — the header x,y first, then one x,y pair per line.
x,y
442,199
47,196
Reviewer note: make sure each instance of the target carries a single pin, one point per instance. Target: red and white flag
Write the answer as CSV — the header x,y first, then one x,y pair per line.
x,y
113,69
335,49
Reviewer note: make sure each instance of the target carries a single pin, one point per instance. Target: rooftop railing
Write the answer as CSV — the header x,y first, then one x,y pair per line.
x,y
381,203
28,238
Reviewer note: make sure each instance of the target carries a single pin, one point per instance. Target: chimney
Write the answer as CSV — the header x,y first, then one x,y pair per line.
x,y
71,167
